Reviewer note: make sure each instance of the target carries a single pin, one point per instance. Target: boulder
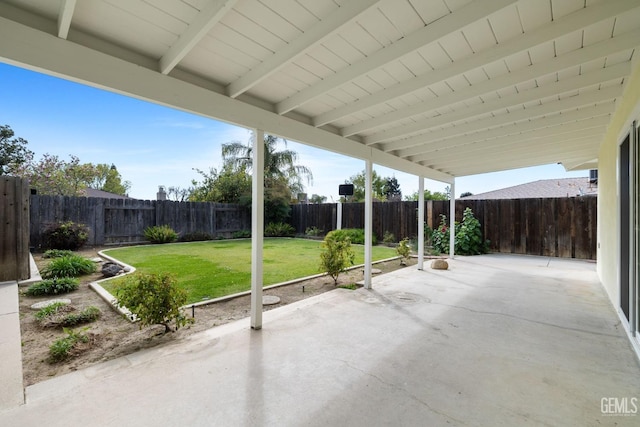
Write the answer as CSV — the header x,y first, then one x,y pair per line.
x,y
439,264
110,269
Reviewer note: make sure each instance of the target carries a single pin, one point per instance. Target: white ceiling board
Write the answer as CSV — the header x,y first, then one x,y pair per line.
x,y
417,77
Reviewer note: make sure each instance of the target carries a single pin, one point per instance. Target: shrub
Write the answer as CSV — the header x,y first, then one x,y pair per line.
x,y
68,266
60,314
196,236
404,250
356,235
67,346
160,234
388,238
65,235
440,236
313,231
53,286
89,314
469,236
56,253
279,229
154,299
336,254
51,310
241,234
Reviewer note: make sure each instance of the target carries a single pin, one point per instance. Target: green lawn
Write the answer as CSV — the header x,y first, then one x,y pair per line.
x,y
216,268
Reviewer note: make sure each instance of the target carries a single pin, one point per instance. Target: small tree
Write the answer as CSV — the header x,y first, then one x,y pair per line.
x,y
154,299
404,250
336,254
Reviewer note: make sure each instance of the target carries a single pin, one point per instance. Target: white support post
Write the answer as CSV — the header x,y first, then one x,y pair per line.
x,y
339,216
368,222
257,228
452,220
420,223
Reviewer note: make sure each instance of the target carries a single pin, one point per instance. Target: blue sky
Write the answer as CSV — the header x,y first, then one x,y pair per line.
x,y
152,145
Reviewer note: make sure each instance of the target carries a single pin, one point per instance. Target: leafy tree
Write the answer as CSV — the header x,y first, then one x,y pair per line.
x,y
113,182
230,185
377,186
428,195
316,199
54,176
13,151
282,175
392,189
466,193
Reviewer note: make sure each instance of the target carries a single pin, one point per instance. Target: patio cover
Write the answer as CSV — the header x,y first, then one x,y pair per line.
x,y
437,88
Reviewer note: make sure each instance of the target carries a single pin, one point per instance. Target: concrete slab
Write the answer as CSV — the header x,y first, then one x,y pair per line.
x,y
497,341
11,391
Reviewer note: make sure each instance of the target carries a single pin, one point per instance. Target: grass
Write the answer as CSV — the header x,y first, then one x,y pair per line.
x,y
217,268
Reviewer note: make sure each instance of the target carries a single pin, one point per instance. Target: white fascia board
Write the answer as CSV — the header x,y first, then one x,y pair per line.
x,y
28,48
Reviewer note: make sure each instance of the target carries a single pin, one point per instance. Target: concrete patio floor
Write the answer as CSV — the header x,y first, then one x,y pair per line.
x,y
495,340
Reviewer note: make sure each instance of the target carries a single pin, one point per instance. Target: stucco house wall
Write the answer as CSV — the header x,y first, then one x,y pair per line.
x,y
608,194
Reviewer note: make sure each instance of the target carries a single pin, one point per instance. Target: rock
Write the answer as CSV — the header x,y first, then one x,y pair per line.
x,y
96,259
43,304
439,264
110,269
270,300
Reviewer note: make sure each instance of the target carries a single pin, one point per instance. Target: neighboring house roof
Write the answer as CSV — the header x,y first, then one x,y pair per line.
x,y
92,192
544,188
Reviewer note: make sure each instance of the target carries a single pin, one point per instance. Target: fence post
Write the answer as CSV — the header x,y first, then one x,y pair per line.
x,y
14,229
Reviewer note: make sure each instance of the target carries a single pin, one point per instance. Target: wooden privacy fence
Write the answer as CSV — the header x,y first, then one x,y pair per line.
x,y
14,229
560,227
112,221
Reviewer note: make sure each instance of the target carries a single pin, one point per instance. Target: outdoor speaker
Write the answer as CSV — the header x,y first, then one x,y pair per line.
x,y
345,190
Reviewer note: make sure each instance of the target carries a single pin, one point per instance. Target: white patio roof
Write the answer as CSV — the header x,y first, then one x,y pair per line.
x,y
438,88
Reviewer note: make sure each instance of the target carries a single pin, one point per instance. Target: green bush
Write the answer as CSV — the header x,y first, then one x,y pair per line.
x,y
51,310
196,236
67,346
279,229
388,238
313,231
60,314
160,234
404,250
65,235
241,234
56,253
440,236
89,314
468,237
154,299
356,235
53,286
68,266
336,254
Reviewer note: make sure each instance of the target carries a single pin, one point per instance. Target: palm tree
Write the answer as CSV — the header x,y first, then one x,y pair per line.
x,y
282,176
279,166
